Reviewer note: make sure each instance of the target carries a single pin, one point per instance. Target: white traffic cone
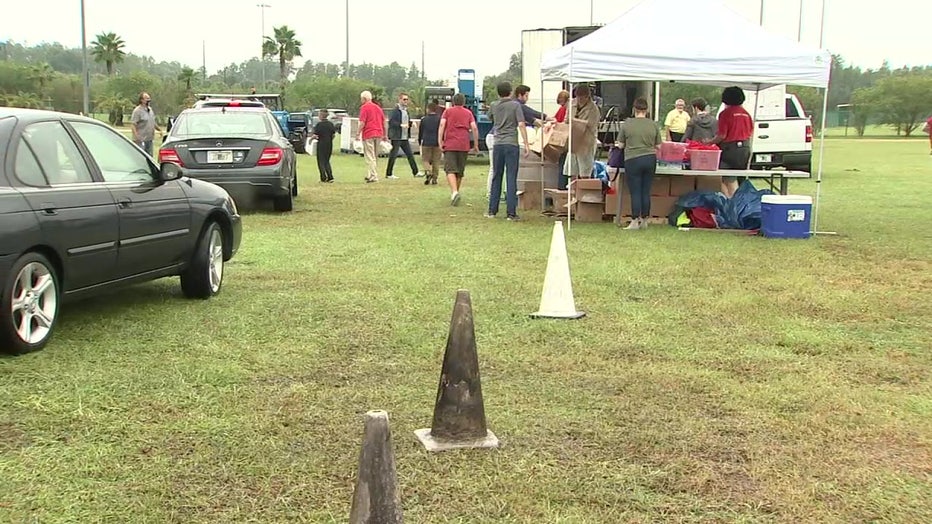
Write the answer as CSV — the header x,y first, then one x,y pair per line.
x,y
556,300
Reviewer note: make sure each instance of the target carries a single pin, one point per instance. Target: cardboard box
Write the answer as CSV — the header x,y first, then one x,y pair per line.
x,y
588,212
560,199
611,204
682,184
708,183
662,206
529,196
661,185
589,190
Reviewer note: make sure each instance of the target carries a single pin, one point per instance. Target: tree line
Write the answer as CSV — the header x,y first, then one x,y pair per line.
x,y
49,76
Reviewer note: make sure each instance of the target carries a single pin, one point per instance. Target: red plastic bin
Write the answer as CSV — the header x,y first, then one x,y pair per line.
x,y
704,159
672,152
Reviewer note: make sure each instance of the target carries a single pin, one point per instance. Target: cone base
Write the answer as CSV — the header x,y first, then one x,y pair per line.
x,y
490,441
573,315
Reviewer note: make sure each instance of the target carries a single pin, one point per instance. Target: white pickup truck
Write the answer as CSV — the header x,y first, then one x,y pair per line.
x,y
782,131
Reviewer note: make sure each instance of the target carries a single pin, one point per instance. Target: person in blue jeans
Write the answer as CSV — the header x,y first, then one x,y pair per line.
x,y
640,138
507,122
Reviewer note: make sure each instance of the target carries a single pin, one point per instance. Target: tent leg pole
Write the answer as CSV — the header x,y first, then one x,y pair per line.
x,y
815,213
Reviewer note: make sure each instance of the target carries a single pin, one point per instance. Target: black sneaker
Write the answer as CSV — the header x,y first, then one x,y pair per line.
x,y
427,181
514,218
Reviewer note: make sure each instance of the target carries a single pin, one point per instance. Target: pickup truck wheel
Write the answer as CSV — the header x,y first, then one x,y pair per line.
x,y
30,298
204,275
294,182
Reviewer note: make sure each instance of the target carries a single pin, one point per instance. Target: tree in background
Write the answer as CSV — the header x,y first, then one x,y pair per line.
x,y
512,74
905,100
42,75
865,102
285,46
186,75
107,48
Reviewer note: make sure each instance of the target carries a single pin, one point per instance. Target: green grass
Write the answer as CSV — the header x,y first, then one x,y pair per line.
x,y
875,131
715,379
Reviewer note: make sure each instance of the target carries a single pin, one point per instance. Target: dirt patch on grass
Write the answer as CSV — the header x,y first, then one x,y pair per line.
x,y
12,437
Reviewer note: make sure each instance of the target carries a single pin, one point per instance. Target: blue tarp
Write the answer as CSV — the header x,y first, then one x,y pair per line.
x,y
741,211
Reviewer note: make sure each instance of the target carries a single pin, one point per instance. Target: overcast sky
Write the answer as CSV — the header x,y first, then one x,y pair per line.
x,y
478,34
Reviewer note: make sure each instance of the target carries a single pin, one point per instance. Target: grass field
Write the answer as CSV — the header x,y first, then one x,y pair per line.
x,y
715,379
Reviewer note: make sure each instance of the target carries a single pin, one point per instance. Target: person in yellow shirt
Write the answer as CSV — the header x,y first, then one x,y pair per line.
x,y
675,123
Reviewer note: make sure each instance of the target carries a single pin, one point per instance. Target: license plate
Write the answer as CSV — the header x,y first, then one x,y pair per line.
x,y
219,157
764,159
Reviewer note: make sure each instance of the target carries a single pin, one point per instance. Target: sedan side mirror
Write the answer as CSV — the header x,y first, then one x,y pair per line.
x,y
169,171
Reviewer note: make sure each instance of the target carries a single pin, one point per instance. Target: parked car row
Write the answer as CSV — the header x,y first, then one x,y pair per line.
x,y
83,209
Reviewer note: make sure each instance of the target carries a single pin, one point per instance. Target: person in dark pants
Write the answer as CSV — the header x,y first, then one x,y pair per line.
x,y
427,138
640,138
735,127
399,131
323,132
507,124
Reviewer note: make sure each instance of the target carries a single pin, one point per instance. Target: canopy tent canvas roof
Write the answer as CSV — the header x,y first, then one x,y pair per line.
x,y
729,51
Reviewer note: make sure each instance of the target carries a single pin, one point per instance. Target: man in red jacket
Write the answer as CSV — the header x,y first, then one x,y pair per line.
x,y
371,132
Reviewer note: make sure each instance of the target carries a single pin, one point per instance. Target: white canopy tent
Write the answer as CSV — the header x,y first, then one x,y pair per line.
x,y
726,50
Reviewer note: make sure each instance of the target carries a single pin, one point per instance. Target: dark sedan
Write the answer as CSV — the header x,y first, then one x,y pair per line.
x,y
83,210
239,148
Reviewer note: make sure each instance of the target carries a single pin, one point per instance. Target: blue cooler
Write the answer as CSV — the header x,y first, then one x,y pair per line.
x,y
785,216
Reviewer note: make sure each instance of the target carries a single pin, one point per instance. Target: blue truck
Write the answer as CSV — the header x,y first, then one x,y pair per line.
x,y
465,84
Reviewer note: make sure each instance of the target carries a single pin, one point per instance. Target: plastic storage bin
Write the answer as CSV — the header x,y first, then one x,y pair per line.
x,y
785,216
704,159
672,152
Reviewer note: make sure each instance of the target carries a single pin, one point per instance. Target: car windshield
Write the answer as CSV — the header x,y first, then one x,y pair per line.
x,y
223,124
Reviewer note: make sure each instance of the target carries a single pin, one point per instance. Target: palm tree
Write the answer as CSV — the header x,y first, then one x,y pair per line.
x,y
42,74
108,48
186,75
285,46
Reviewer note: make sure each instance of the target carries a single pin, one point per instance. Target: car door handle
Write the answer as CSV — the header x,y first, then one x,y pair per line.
x,y
763,126
124,203
49,209
763,137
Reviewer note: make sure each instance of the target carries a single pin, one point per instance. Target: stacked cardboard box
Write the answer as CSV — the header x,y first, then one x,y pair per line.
x,y
590,202
665,191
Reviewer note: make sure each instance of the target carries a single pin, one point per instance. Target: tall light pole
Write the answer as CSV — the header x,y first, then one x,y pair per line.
x,y
591,15
762,13
87,79
346,69
262,8
799,30
822,25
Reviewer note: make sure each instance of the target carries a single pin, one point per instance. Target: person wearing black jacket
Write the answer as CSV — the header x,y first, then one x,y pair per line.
x,y
399,131
427,138
323,132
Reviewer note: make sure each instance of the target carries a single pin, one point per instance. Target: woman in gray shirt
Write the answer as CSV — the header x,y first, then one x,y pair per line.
x,y
640,137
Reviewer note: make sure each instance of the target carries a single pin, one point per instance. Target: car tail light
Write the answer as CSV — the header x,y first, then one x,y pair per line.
x,y
234,103
271,156
808,134
170,155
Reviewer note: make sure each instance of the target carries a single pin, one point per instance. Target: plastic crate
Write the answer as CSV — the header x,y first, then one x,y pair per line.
x,y
672,151
704,159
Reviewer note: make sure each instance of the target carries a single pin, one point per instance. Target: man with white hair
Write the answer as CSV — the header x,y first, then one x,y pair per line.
x,y
676,121
371,133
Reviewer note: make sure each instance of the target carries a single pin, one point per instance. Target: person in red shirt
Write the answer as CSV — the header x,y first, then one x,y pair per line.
x,y
455,125
371,133
735,127
563,97
929,130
